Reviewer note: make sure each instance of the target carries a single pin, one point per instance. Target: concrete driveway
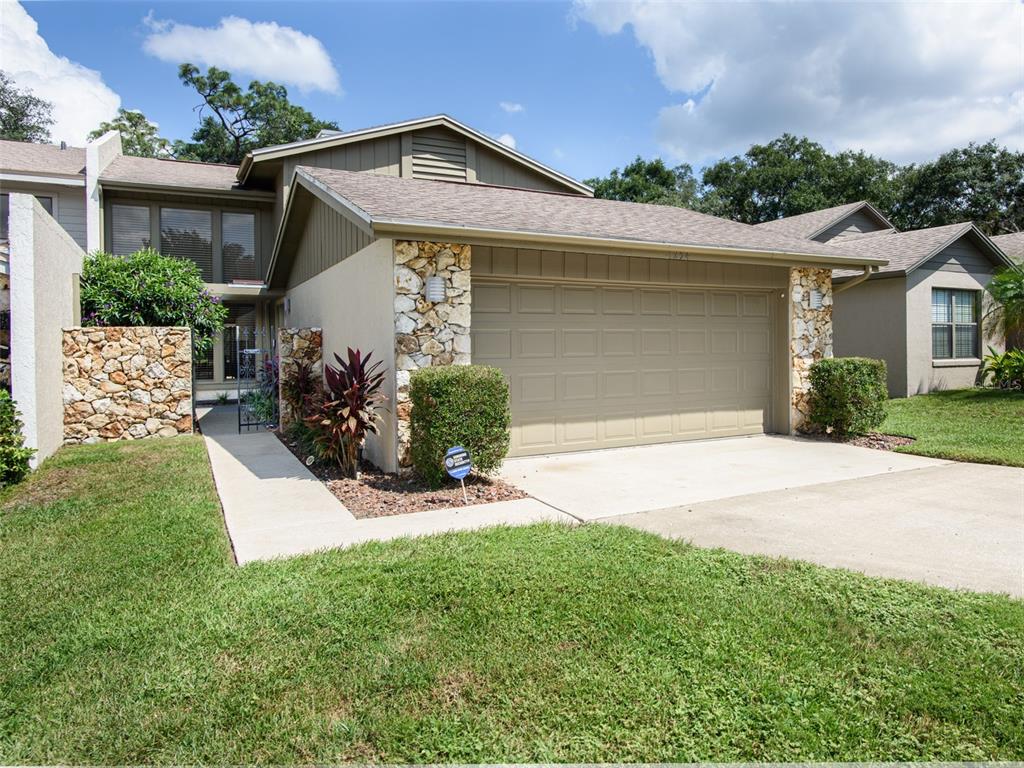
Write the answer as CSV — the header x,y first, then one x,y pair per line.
x,y
886,514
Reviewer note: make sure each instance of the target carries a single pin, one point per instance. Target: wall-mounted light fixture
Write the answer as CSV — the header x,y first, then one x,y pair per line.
x,y
434,291
816,298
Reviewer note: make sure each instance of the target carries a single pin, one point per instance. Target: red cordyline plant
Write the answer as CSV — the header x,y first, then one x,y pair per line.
x,y
348,411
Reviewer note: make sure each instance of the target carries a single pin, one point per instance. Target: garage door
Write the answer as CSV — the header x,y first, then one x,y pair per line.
x,y
601,366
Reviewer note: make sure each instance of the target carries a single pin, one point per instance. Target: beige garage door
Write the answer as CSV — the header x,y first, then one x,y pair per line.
x,y
600,366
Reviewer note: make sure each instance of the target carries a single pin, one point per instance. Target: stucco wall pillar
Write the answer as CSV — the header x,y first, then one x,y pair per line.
x,y
810,333
427,333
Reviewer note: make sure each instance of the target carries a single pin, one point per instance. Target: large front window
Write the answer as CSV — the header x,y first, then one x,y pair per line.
x,y
954,324
238,246
188,234
129,229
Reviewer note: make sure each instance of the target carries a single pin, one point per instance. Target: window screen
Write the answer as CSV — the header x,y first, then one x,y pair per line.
x,y
129,229
954,324
238,245
188,234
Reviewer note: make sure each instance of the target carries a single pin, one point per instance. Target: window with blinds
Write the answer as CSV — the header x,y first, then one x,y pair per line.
x,y
129,229
188,234
238,246
954,324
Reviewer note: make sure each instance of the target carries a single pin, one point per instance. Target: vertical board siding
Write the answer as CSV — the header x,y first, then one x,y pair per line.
x,y
493,168
327,239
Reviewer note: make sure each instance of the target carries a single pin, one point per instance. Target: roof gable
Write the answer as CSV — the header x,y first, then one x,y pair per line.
x,y
812,225
330,140
1012,245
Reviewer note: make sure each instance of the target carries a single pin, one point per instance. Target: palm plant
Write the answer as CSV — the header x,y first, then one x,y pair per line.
x,y
1007,312
349,409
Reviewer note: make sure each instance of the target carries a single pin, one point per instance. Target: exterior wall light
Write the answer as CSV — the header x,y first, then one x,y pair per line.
x,y
816,298
434,289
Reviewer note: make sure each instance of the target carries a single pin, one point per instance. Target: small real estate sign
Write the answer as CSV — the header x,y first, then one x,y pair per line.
x,y
458,464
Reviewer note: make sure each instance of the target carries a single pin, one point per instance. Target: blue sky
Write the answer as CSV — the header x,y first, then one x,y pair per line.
x,y
597,83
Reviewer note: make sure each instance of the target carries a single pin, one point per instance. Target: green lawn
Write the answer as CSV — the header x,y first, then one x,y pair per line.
x,y
982,425
128,636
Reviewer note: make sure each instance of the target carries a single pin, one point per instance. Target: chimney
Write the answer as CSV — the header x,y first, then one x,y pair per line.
x,y
63,145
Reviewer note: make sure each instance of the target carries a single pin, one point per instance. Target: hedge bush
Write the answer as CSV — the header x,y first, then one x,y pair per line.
x,y
14,455
848,395
463,405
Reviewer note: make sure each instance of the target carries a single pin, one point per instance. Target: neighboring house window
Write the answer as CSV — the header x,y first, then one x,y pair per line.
x,y
5,210
188,234
954,324
239,334
129,229
238,246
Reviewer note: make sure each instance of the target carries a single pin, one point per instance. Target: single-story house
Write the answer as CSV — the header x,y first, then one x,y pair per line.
x,y
431,243
921,312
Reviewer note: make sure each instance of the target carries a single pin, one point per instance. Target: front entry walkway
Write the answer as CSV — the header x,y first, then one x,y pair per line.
x,y
275,507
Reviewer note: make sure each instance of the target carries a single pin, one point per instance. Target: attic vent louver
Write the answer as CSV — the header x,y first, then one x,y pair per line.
x,y
440,156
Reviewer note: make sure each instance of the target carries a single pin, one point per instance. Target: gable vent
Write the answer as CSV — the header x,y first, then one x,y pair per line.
x,y
438,156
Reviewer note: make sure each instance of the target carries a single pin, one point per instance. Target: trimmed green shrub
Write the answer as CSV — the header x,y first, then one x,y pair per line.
x,y
14,455
147,288
1005,369
463,405
848,395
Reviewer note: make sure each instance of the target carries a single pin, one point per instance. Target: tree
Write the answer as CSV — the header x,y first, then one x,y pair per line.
x,y
649,181
139,136
240,121
1007,313
23,116
983,183
147,288
789,176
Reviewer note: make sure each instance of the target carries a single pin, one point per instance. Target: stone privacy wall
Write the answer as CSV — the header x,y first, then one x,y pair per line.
x,y
126,383
295,345
810,334
428,334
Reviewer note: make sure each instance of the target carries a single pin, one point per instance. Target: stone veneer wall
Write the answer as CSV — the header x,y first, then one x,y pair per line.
x,y
296,345
428,334
810,334
126,383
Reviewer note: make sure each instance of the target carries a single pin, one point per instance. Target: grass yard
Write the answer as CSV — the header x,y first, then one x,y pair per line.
x,y
128,636
982,425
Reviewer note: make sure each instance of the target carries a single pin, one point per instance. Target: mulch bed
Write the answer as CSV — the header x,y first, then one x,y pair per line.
x,y
880,442
381,494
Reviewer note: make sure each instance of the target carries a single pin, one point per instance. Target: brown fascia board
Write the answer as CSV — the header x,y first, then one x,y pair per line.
x,y
232,194
327,142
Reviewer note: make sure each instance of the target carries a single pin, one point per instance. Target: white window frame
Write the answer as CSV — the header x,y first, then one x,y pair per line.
x,y
952,294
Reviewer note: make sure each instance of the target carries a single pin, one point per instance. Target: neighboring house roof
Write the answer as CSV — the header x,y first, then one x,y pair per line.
x,y
1012,245
810,225
22,157
906,251
392,206
326,140
148,172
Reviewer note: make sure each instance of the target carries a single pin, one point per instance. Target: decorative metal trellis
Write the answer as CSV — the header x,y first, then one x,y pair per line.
x,y
254,368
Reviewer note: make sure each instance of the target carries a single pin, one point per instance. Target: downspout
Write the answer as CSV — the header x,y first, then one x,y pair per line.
x,y
868,271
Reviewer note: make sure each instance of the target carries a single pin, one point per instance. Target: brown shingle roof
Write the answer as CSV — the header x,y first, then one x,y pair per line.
x,y
394,200
904,250
41,159
1012,245
807,225
149,171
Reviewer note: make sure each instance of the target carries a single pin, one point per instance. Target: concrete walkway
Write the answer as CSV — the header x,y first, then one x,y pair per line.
x,y
275,507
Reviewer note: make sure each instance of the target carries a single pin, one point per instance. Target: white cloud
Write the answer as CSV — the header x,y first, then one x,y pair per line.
x,y
80,98
902,80
263,49
507,139
511,106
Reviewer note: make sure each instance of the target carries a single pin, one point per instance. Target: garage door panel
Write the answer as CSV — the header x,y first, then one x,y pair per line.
x,y
593,366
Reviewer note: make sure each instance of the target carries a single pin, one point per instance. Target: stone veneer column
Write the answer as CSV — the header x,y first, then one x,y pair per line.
x,y
810,334
428,334
296,345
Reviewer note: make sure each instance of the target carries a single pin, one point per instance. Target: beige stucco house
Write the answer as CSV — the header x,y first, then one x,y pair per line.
x,y
616,324
921,312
